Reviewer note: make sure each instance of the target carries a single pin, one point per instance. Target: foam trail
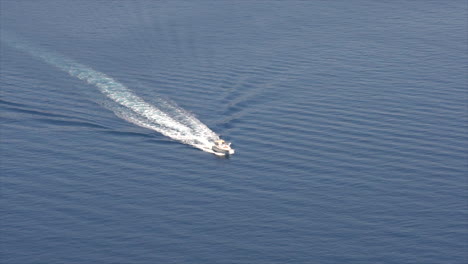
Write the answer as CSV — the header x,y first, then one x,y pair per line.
x,y
167,119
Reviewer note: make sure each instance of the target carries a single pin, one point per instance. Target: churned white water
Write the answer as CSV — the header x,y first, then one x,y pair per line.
x,y
165,118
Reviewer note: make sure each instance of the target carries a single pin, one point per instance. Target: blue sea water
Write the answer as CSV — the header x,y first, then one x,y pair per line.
x,y
349,120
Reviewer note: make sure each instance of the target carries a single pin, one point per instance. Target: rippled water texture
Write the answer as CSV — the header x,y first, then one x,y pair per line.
x,y
348,119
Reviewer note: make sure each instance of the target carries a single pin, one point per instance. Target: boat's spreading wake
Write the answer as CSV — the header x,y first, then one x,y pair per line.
x,y
165,118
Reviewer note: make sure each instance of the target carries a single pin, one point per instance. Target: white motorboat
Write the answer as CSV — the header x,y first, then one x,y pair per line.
x,y
222,147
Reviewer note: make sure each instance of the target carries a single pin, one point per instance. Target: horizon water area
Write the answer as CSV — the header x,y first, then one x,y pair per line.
x,y
349,121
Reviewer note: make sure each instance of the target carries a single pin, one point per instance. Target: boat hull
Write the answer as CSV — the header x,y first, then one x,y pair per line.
x,y
222,152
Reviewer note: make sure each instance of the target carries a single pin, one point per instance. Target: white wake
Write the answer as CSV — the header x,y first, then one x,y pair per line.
x,y
165,118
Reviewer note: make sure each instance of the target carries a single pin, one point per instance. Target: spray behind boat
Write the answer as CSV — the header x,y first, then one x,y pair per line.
x,y
164,117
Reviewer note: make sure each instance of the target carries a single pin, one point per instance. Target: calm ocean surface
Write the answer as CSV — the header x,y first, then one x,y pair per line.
x,y
349,120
